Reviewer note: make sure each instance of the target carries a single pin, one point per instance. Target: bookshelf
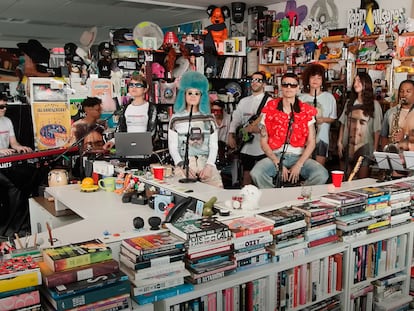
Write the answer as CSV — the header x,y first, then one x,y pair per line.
x,y
98,210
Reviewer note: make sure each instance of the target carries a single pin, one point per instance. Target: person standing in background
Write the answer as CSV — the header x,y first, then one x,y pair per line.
x,y
315,94
138,115
362,93
395,118
247,107
193,100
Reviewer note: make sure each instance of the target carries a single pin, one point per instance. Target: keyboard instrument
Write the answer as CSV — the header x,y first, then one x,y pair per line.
x,y
19,158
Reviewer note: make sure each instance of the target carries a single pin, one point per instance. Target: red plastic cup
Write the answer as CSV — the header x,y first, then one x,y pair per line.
x,y
158,172
337,177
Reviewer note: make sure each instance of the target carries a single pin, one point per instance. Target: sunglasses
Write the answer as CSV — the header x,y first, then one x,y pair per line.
x,y
137,85
256,80
291,85
3,106
194,93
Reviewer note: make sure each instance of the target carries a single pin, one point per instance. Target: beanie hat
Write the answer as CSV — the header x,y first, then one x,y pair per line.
x,y
193,80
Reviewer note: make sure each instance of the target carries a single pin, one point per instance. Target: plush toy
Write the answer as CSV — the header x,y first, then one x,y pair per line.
x,y
105,63
284,30
248,199
216,33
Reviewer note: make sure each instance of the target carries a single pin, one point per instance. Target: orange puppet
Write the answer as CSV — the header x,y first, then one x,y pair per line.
x,y
216,33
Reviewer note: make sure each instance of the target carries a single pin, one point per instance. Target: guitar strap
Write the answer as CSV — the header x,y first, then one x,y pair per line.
x,y
262,104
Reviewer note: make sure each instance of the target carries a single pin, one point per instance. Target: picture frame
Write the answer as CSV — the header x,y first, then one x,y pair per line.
x,y
278,56
240,46
149,43
229,47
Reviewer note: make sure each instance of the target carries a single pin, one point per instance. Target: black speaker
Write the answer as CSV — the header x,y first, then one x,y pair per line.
x,y
237,11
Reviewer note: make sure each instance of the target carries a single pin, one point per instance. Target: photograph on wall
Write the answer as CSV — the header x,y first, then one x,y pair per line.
x,y
229,47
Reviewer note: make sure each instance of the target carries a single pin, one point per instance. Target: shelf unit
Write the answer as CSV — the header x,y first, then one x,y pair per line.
x,y
268,271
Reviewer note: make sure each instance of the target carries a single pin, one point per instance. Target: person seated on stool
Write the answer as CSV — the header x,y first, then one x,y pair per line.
x,y
274,134
8,142
90,128
203,140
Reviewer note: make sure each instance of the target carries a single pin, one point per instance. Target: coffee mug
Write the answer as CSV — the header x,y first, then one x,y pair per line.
x,y
107,183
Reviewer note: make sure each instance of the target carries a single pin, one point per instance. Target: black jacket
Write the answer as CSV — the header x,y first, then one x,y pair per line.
x,y
152,119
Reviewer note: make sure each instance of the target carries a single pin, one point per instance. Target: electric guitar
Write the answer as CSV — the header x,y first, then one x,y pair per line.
x,y
242,136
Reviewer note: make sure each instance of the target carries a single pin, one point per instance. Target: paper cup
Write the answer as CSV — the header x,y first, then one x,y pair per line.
x,y
337,177
158,172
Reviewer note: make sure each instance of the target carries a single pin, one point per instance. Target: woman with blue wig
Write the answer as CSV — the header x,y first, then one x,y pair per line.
x,y
192,98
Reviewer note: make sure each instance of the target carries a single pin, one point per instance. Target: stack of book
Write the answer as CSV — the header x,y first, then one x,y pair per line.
x,y
400,203
320,222
288,231
154,264
209,254
351,220
19,280
251,235
70,273
377,205
389,293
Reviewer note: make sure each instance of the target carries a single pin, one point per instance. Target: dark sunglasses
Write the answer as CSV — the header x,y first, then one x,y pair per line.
x,y
194,93
137,85
257,80
291,85
3,106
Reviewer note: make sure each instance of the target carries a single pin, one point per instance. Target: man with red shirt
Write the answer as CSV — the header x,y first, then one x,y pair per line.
x,y
288,129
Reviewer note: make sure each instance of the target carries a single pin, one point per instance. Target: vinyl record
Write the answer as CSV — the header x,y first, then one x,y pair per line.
x,y
147,29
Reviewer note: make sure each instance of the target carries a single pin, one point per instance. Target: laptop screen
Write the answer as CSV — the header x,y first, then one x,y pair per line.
x,y
129,145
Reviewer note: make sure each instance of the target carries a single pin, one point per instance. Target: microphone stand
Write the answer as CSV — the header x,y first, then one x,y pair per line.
x,y
187,179
279,179
346,153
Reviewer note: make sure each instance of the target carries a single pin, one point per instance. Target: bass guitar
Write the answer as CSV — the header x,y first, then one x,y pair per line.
x,y
242,135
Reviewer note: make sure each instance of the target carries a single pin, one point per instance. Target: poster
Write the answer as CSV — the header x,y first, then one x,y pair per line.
x,y
52,124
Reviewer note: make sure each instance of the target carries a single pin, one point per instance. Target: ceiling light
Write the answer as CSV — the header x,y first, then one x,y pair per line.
x,y
161,3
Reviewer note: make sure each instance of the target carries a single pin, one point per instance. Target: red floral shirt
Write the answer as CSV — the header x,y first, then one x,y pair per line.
x,y
277,122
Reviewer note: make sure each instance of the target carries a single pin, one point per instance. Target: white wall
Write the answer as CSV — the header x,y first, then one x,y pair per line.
x,y
344,5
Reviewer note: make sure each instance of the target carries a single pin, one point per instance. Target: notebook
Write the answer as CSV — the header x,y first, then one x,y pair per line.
x,y
133,145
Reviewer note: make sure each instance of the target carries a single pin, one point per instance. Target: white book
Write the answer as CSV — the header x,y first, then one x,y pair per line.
x,y
370,301
314,280
247,241
401,251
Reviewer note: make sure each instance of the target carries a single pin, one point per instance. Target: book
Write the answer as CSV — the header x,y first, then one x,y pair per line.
x,y
371,192
140,290
52,279
88,284
252,240
157,270
325,240
248,225
200,231
210,277
151,256
31,278
161,294
315,208
152,263
153,243
73,255
211,251
120,302
72,301
343,198
282,216
20,300
17,266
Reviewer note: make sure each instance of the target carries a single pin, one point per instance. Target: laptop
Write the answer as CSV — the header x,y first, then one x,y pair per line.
x,y
133,145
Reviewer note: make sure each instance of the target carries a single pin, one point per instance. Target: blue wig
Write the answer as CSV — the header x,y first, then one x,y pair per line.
x,y
193,80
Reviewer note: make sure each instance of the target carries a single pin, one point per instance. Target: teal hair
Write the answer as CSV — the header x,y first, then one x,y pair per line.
x,y
193,80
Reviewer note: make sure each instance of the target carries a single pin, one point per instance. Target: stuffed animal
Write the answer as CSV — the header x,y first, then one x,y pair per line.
x,y
105,63
216,33
284,30
250,197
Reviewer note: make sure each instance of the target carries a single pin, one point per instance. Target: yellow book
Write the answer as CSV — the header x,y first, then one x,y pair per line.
x,y
32,278
379,224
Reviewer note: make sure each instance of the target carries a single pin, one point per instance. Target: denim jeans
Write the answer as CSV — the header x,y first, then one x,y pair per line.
x,y
264,171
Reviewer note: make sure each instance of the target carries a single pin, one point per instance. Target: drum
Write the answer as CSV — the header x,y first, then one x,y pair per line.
x,y
58,177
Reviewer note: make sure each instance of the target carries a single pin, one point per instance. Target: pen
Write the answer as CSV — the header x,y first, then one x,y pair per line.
x,y
18,240
49,230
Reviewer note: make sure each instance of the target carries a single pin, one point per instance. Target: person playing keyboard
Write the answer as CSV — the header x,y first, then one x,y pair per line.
x,y
8,142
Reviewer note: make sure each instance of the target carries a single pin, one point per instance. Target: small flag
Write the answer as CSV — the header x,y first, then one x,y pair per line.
x,y
369,21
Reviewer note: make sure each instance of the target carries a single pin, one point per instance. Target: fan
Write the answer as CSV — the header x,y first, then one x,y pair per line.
x,y
147,29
